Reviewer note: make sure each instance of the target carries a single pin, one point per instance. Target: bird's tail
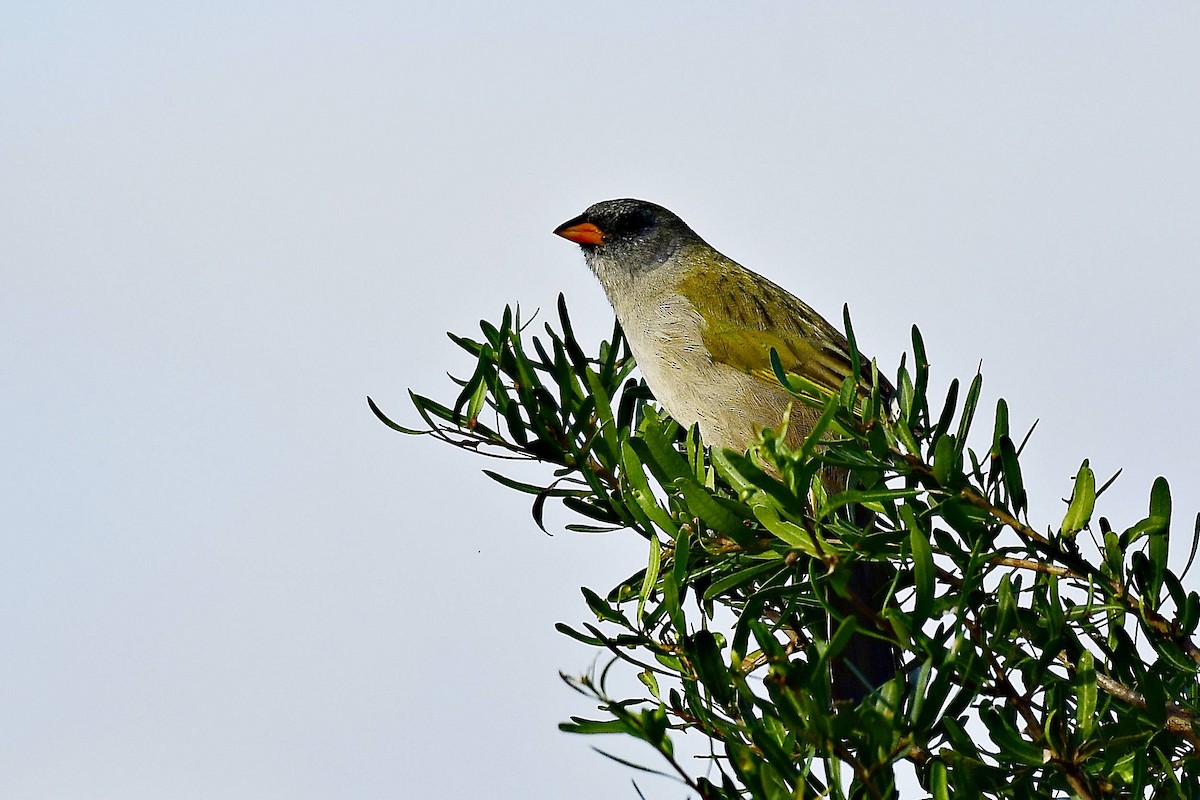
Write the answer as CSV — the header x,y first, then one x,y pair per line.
x,y
866,663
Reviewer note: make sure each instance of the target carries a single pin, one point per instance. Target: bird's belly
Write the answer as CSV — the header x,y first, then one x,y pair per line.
x,y
730,405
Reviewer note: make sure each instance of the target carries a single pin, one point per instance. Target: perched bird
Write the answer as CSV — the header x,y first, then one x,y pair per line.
x,y
702,328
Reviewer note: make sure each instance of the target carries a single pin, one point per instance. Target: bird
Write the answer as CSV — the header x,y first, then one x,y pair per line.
x,y
701,328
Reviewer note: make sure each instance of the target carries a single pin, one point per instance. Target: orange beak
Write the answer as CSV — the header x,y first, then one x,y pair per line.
x,y
580,232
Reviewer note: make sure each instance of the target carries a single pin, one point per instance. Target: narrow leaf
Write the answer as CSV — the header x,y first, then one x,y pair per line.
x,y
1195,544
718,513
640,489
1083,501
968,412
396,427
947,415
1160,508
651,577
923,573
1085,694
1012,475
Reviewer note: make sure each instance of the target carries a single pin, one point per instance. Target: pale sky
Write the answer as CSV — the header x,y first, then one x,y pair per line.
x,y
223,224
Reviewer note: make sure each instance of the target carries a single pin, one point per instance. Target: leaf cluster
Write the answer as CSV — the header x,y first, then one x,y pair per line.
x,y
1039,660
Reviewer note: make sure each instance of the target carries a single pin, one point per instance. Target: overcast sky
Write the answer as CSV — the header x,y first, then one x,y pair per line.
x,y
223,224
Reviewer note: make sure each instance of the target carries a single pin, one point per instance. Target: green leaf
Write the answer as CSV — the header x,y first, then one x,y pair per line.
x,y
918,700
905,394
1160,508
665,748
1189,618
671,600
1083,501
1159,518
592,726
722,515
1012,745
745,477
470,345
968,414
1001,429
959,739
923,573
602,609
643,496
938,782
394,426
740,578
607,425
1006,607
1114,554
593,510
1175,590
852,341
567,630
1195,544
1085,694
651,578
1160,500
714,673
904,433
920,415
1155,694
875,499
1012,475
837,643
475,391
947,461
792,535
657,453
578,359
504,480
947,415
516,425
817,434
682,554
648,678
781,374
1172,654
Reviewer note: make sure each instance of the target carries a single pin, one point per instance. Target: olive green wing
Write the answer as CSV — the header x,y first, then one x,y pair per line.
x,y
747,316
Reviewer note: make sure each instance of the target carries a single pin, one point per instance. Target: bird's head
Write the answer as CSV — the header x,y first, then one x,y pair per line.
x,y
626,237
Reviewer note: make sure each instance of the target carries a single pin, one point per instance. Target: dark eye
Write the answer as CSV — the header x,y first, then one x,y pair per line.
x,y
633,223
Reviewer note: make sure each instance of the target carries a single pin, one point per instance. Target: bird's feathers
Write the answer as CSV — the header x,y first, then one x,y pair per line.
x,y
747,316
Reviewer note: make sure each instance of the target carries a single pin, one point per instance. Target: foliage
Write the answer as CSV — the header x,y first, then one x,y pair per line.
x,y
1039,661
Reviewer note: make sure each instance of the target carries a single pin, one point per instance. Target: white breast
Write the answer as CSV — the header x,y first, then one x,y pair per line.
x,y
665,335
